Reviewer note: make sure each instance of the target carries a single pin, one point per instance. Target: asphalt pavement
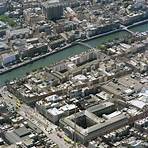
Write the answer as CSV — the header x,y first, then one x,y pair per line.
x,y
31,114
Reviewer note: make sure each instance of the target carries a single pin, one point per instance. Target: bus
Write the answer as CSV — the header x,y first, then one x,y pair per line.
x,y
67,139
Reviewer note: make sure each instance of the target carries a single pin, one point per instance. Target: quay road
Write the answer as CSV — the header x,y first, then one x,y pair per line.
x,y
31,114
70,51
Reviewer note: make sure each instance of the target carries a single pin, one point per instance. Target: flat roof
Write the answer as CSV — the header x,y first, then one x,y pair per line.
x,y
137,103
22,131
100,106
12,137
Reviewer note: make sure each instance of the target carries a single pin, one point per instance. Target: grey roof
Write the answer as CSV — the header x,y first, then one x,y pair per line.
x,y
34,127
59,2
107,123
100,106
22,131
11,137
20,31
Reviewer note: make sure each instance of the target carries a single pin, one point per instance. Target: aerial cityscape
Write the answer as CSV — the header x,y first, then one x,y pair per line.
x,y
73,73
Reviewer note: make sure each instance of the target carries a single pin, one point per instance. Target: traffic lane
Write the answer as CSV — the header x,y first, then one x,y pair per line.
x,y
60,141
40,121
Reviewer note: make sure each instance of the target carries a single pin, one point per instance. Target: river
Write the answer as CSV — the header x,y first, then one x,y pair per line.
x,y
76,49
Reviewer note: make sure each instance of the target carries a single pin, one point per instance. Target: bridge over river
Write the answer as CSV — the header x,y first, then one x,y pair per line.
x,y
71,51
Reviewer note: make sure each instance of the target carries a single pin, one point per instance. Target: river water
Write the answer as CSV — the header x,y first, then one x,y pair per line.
x,y
76,49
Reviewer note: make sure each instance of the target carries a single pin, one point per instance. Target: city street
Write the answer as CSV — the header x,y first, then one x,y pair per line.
x,y
31,114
